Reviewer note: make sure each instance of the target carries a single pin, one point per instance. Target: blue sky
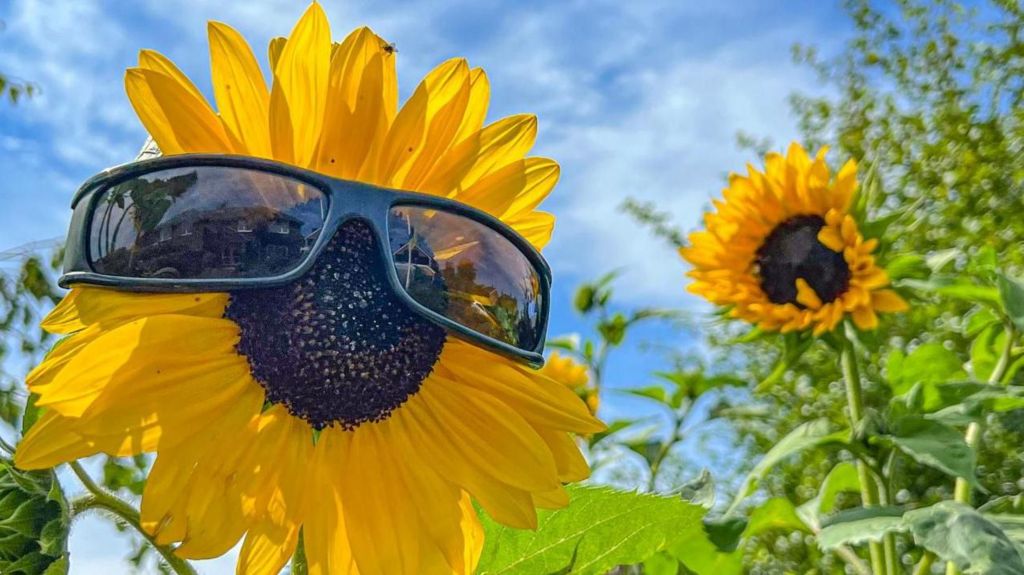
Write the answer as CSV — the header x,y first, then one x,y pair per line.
x,y
640,99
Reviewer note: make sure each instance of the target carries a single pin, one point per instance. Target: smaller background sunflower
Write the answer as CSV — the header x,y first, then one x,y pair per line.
x,y
781,249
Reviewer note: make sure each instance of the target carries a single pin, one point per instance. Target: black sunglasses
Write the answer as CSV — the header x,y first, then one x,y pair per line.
x,y
207,223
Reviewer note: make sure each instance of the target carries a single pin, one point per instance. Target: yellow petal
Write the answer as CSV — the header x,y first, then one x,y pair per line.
x,y
355,118
806,295
274,50
422,440
300,88
888,301
555,499
387,541
845,186
865,318
538,398
476,110
437,503
84,306
150,113
145,353
240,90
195,126
494,437
571,464
324,533
426,125
830,238
151,60
267,548
50,442
513,190
490,149
535,227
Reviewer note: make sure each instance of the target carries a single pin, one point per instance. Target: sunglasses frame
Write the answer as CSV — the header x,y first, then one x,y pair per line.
x,y
347,200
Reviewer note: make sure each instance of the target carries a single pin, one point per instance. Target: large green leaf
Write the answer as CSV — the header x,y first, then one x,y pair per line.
x,y
600,529
957,533
806,436
860,525
928,363
933,444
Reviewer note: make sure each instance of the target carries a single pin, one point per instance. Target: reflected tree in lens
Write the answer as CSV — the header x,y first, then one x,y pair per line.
x,y
144,201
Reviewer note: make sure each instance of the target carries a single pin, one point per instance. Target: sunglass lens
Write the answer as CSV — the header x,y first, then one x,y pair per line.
x,y
205,222
467,272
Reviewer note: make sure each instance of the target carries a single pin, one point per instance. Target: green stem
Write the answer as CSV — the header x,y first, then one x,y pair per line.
x,y
299,564
665,449
99,498
924,567
880,563
962,490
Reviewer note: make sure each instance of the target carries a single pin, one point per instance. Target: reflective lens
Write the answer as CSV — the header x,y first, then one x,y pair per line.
x,y
467,272
205,222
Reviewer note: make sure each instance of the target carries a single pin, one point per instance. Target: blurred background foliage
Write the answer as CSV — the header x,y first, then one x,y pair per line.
x,y
928,96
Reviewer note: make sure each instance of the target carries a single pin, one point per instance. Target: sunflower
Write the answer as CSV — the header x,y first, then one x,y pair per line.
x,y
783,251
571,374
253,438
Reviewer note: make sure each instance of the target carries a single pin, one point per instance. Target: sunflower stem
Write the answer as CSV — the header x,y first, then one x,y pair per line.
x,y
99,498
962,490
299,565
881,562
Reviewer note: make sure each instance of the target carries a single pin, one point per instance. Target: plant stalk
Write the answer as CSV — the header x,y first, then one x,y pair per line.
x,y
881,560
99,498
962,490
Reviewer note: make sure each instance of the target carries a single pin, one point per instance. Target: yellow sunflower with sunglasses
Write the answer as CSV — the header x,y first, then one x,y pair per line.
x,y
783,251
328,404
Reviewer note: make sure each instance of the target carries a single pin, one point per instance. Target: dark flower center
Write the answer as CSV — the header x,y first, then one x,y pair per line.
x,y
793,251
336,347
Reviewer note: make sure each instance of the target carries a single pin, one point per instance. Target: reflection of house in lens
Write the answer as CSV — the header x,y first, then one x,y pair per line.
x,y
222,243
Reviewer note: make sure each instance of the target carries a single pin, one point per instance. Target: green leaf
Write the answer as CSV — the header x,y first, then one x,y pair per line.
x,y
661,564
34,523
600,529
860,525
843,478
907,266
775,513
806,436
985,351
653,392
700,556
978,319
725,532
1011,291
584,300
957,289
613,428
646,448
928,363
933,444
957,533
